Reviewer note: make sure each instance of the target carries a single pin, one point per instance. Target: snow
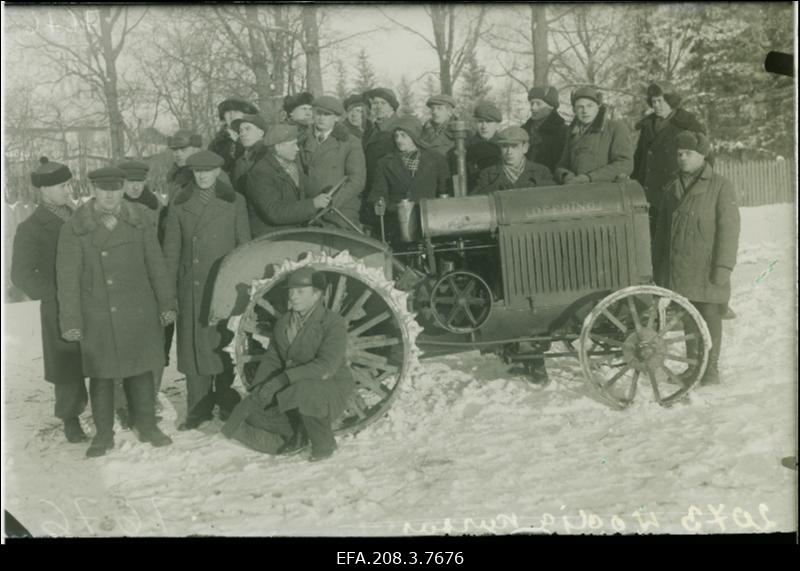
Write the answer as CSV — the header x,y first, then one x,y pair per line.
x,y
468,447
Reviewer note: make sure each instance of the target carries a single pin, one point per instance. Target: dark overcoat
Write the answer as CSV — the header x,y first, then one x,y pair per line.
x,y
547,139
696,231
33,270
438,139
481,154
230,150
603,151
393,181
320,382
494,178
273,198
655,162
112,285
325,165
197,237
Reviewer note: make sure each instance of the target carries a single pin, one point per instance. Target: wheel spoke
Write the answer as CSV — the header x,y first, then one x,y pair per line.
x,y
456,289
470,316
616,377
468,290
652,312
680,358
374,342
368,382
672,376
371,361
338,297
249,326
267,306
358,406
380,318
678,339
632,388
654,383
357,309
453,313
604,339
615,321
635,315
448,299
672,322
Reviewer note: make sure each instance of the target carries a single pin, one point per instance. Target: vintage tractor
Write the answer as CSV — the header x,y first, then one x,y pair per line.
x,y
512,272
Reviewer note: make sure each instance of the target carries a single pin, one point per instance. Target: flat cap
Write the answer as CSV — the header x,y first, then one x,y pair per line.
x,y
329,104
50,173
292,102
236,104
487,112
134,170
204,161
352,101
307,276
547,94
280,133
586,92
107,178
385,94
693,141
184,138
256,120
441,99
512,136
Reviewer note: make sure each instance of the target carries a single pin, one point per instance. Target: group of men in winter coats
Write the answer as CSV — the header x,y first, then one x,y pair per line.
x,y
116,274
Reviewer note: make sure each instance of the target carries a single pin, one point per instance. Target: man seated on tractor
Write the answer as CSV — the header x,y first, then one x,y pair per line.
x,y
515,170
303,384
411,172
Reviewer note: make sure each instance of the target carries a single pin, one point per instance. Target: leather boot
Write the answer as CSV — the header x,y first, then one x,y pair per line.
x,y
101,393
140,392
320,433
74,431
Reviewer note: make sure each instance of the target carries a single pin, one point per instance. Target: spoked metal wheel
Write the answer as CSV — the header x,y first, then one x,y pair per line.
x,y
381,331
461,302
644,338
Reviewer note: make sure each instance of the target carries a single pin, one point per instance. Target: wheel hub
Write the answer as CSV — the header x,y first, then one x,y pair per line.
x,y
644,350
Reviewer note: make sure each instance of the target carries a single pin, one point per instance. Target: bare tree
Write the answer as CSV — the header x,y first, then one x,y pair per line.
x,y
312,49
452,53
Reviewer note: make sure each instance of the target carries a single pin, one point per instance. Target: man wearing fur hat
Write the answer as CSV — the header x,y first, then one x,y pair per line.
x,y
697,233
33,270
275,185
328,153
298,110
547,130
205,222
226,142
410,172
436,133
655,160
598,148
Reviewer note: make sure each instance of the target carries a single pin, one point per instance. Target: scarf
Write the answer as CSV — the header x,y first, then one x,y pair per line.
x,y
62,211
205,194
514,172
296,323
291,169
411,161
688,180
107,219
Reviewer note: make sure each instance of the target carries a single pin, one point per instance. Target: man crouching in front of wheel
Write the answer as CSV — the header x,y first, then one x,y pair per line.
x,y
303,384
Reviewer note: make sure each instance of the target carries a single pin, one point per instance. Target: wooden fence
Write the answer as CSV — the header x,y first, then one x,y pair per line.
x,y
761,182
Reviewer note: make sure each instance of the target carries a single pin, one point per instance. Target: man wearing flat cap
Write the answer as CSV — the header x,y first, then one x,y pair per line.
x,y
33,270
183,144
697,235
275,186
514,170
303,384
436,133
355,115
115,297
329,153
204,223
251,129
298,110
655,161
226,141
411,172
546,128
481,146
598,148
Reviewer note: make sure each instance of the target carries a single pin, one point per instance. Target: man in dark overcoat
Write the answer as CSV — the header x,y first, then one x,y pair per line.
x,y
328,153
115,297
437,135
303,384
514,170
275,185
697,234
251,129
226,141
546,128
598,148
206,221
481,147
33,270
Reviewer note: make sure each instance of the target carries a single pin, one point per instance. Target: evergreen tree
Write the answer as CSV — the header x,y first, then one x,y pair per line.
x,y
474,87
365,73
405,95
341,80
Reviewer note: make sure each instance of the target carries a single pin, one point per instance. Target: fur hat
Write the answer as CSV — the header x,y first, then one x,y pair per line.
x,y
666,90
547,94
586,92
50,173
385,94
292,102
236,104
693,141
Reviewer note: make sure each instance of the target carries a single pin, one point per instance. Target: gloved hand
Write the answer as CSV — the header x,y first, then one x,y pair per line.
x,y
580,179
720,275
167,317
72,335
266,391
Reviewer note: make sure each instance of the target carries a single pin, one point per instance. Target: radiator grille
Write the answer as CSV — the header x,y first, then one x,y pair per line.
x,y
558,258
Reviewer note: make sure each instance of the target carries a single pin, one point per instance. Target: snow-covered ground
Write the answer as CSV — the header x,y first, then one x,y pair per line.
x,y
468,448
